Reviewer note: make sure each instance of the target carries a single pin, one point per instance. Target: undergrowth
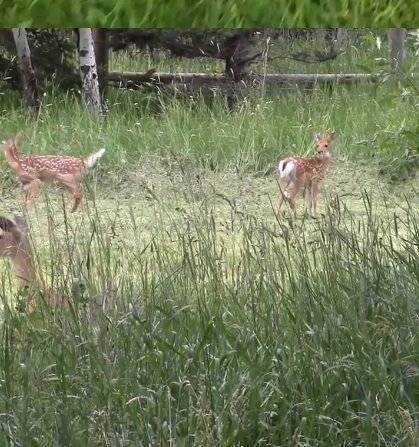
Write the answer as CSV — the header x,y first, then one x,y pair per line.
x,y
195,324
251,137
276,335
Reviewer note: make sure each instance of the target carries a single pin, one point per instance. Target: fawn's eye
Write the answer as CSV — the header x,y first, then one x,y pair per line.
x,y
326,145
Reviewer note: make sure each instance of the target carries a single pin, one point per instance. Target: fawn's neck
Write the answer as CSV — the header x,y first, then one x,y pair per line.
x,y
23,267
323,158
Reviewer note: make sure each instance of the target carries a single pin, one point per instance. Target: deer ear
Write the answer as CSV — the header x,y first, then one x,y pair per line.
x,y
18,139
21,225
316,136
332,136
9,226
6,224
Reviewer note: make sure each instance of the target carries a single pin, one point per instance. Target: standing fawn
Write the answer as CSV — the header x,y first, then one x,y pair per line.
x,y
297,173
35,169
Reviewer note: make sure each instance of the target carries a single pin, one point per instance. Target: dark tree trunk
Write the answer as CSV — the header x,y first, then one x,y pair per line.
x,y
100,40
26,71
239,54
396,38
6,38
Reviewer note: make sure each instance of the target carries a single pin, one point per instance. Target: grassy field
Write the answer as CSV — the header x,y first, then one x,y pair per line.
x,y
197,318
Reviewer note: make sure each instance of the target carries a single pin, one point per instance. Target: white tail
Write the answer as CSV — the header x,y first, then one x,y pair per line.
x,y
90,161
297,173
286,169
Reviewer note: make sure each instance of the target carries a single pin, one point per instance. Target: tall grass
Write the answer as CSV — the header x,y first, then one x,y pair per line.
x,y
252,136
192,323
275,335
190,13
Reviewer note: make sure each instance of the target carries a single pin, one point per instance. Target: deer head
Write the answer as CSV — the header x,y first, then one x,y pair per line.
x,y
14,245
324,142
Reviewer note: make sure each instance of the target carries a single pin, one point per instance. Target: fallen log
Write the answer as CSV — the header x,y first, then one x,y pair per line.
x,y
134,79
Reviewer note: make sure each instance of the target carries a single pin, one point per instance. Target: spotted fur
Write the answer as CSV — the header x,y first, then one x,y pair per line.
x,y
297,173
35,169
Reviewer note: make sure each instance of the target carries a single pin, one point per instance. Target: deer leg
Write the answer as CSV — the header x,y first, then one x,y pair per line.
x,y
293,207
279,205
75,190
32,190
307,193
292,194
77,196
309,198
315,191
292,201
73,185
281,197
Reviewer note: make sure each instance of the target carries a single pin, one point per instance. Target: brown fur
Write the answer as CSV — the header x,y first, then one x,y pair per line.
x,y
15,246
308,172
33,170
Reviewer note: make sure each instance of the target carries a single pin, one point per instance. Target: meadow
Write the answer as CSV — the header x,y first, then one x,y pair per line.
x,y
197,317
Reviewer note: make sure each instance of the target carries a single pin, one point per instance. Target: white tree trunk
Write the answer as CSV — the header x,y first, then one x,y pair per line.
x,y
396,37
27,74
88,71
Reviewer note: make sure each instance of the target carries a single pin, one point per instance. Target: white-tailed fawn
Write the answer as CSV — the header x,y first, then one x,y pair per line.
x,y
296,173
33,170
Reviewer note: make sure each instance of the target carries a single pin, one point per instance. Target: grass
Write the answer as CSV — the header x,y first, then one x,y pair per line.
x,y
252,137
217,14
197,318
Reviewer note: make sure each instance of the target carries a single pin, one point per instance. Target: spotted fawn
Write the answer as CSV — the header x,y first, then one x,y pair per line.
x,y
33,170
296,173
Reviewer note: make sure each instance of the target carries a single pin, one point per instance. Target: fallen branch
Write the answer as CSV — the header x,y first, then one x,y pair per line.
x,y
133,79
309,58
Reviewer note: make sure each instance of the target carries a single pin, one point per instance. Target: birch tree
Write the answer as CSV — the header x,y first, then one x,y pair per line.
x,y
26,71
88,71
396,37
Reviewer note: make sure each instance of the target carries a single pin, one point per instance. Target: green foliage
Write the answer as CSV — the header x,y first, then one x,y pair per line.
x,y
216,13
195,317
255,335
405,163
252,137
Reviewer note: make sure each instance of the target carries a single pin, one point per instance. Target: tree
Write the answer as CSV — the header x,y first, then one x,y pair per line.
x,y
239,48
52,53
396,37
26,71
100,40
88,71
235,47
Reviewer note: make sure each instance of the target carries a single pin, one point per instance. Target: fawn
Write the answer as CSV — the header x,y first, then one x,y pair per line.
x,y
296,173
15,246
35,169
